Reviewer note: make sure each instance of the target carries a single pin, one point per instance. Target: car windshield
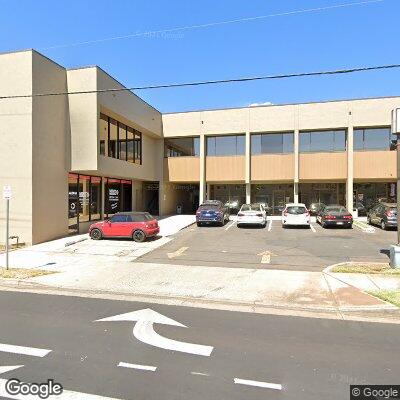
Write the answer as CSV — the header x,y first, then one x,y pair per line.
x,y
339,209
250,207
296,210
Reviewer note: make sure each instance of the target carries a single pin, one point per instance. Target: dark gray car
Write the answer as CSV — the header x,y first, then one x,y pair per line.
x,y
384,215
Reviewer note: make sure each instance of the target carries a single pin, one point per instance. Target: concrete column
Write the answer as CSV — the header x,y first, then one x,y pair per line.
x,y
350,167
208,191
248,159
296,166
202,186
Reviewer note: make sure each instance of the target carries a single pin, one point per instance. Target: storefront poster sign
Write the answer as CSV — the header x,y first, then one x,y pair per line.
x,y
7,192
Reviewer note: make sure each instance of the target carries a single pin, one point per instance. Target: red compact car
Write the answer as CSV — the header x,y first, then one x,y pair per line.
x,y
136,225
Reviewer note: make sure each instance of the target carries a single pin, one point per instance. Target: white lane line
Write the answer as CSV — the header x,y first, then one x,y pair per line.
x,y
137,366
230,226
29,351
312,228
270,225
275,386
199,373
65,395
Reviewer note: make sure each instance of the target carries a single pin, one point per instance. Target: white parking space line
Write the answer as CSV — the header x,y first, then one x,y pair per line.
x,y
137,366
270,225
230,226
28,351
275,386
312,228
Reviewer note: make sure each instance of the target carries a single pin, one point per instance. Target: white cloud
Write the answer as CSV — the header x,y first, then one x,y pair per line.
x,y
267,103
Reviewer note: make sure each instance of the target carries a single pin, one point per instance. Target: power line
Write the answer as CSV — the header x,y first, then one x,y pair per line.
x,y
210,24
211,82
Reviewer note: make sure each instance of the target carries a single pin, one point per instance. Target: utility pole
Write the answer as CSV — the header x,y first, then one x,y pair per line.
x,y
395,249
7,196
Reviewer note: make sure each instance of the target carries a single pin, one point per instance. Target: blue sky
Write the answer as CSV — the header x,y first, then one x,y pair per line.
x,y
330,39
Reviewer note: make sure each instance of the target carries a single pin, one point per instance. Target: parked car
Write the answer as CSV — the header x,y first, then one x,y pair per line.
x,y
212,211
335,215
252,214
361,210
136,225
295,214
315,208
384,215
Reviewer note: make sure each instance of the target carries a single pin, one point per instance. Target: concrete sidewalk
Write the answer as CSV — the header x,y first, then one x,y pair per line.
x,y
233,287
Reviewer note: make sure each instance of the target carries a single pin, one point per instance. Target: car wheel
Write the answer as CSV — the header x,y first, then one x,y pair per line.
x,y
383,225
323,225
96,234
199,224
350,226
139,236
369,220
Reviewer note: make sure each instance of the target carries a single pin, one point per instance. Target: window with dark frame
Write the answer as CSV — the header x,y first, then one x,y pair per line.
x,y
322,141
225,145
120,141
85,194
372,138
118,196
272,143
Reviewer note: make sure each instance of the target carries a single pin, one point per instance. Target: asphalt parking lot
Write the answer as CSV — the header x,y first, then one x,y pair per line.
x,y
273,247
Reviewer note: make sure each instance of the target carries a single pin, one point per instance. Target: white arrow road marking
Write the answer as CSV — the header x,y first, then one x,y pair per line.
x,y
177,253
144,331
275,386
65,395
29,351
7,368
137,366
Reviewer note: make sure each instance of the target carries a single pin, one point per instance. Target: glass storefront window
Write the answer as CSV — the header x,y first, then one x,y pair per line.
x,y
233,196
84,199
326,193
84,183
372,139
118,196
366,195
273,197
232,145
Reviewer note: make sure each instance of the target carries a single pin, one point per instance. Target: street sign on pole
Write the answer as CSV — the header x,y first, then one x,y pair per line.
x,y
7,194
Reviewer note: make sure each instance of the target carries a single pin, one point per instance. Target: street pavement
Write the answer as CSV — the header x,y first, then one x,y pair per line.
x,y
293,249
287,357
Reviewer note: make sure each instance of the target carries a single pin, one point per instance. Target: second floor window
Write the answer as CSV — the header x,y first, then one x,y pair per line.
x,y
182,147
118,140
232,145
322,141
372,139
271,143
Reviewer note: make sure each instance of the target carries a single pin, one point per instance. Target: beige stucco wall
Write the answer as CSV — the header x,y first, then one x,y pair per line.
x,y
272,167
50,151
16,143
225,169
182,169
375,165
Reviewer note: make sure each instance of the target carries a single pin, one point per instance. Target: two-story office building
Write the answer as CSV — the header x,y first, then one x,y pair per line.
x,y
75,152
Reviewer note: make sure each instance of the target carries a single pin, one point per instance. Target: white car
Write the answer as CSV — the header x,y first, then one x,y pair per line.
x,y
295,214
252,214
